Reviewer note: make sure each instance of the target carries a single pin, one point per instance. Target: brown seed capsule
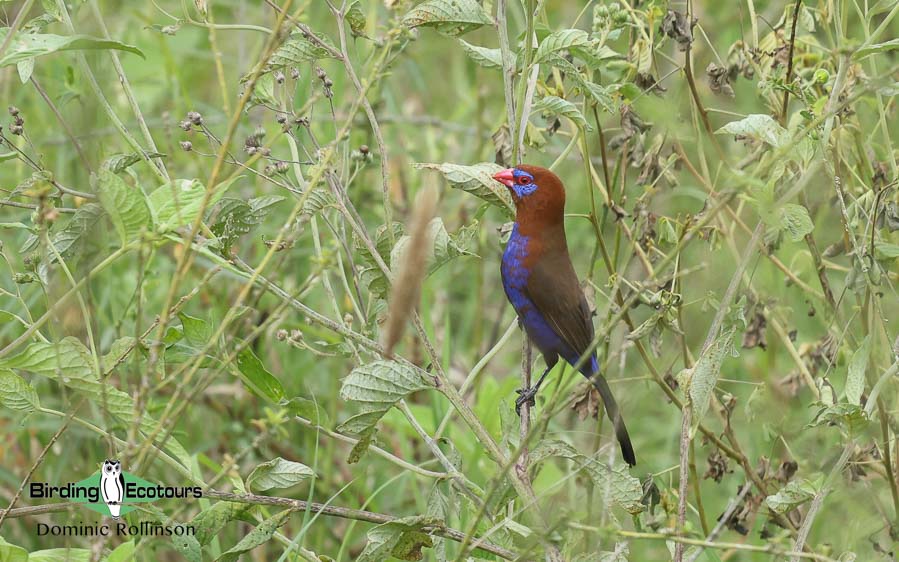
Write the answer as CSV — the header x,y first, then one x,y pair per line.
x,y
364,149
281,167
279,77
16,130
13,110
185,125
186,146
295,73
195,118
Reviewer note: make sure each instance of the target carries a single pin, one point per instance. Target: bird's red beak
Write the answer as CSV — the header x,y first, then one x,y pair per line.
x,y
506,177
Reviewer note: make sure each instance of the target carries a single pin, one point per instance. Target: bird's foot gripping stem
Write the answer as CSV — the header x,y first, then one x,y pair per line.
x,y
526,396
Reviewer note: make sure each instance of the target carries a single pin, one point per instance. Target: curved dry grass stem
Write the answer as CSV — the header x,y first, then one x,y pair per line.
x,y
410,272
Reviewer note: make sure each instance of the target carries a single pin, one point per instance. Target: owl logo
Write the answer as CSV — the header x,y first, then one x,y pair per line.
x,y
112,485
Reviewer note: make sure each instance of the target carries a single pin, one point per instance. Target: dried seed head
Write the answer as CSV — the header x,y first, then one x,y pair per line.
x,y
302,121
195,118
281,167
295,73
320,72
281,334
282,118
406,290
364,149
16,130
19,121
185,125
279,77
186,146
13,110
269,170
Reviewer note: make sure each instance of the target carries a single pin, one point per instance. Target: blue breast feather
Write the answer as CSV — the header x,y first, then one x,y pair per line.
x,y
515,279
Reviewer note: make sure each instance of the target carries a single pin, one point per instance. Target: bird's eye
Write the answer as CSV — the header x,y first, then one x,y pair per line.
x,y
524,180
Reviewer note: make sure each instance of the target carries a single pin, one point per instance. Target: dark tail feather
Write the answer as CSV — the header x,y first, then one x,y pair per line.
x,y
624,440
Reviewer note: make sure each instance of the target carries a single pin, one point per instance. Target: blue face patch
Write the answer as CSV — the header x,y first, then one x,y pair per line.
x,y
524,183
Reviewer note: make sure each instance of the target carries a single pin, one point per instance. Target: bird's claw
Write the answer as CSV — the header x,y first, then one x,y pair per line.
x,y
525,395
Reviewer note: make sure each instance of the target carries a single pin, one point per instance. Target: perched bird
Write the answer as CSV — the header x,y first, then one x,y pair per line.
x,y
542,286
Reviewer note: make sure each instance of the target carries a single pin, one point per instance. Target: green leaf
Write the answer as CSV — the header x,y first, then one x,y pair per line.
x,y
259,535
559,41
122,553
27,45
849,416
188,546
67,358
864,52
125,205
477,180
884,251
623,489
855,380
377,387
298,50
278,473
356,18
403,539
177,203
372,276
449,17
308,409
793,495
591,91
257,377
118,163
700,380
796,221
16,393
553,105
212,520
12,553
236,217
488,58
196,330
317,200
117,351
25,69
444,247
60,555
76,232
69,362
757,126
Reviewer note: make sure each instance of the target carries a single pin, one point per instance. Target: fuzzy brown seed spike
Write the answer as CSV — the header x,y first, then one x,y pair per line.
x,y
410,272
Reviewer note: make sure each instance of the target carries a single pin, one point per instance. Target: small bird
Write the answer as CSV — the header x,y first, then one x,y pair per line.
x,y
542,286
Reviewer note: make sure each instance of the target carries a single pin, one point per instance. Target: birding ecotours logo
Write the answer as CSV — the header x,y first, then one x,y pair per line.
x,y
111,491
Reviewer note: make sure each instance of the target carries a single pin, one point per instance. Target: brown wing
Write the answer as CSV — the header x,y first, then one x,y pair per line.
x,y
554,289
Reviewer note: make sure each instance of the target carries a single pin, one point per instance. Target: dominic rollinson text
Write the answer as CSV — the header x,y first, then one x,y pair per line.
x,y
144,528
